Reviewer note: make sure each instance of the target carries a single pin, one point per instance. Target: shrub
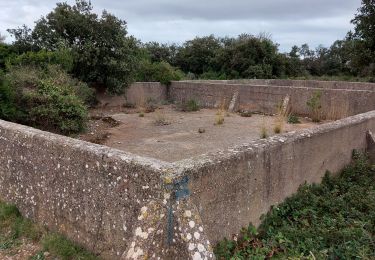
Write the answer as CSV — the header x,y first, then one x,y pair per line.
x,y
43,58
8,107
333,220
80,89
314,104
161,119
45,98
150,106
161,72
55,108
188,106
293,119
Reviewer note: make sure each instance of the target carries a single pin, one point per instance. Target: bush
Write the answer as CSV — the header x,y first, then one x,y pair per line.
x,y
293,119
43,58
333,220
8,108
55,108
188,106
45,98
161,72
314,104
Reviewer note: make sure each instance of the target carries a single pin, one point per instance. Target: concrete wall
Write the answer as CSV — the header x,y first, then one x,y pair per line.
x,y
259,98
90,193
125,206
136,94
146,90
236,186
297,83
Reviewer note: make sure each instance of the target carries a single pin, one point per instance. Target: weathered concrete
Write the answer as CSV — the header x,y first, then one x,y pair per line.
x,y
138,93
95,195
297,83
124,206
336,103
235,186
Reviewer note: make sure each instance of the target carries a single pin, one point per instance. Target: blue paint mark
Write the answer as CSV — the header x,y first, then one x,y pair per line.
x,y
180,190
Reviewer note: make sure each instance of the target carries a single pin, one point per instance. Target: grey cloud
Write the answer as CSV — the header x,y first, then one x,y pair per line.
x,y
289,21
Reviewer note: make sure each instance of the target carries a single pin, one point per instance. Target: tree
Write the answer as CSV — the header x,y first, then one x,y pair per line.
x,y
23,39
2,38
248,56
103,53
198,55
363,38
364,23
159,52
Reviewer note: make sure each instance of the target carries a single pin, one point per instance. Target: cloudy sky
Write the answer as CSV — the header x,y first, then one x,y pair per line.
x,y
174,21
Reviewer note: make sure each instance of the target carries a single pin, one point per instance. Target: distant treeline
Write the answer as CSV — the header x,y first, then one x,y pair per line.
x,y
103,54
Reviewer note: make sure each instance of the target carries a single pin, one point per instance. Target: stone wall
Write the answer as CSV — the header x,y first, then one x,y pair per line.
x,y
297,83
124,206
234,187
136,94
145,91
336,103
92,194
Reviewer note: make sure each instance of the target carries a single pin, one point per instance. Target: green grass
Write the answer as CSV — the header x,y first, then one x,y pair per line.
x,y
13,228
333,220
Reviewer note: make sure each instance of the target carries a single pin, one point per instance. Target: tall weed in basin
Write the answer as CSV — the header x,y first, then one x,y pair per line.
x,y
315,106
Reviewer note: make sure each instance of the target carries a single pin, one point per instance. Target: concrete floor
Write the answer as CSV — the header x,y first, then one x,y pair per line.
x,y
180,139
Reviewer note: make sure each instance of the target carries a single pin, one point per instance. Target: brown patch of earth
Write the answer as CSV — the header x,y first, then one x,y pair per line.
x,y
170,135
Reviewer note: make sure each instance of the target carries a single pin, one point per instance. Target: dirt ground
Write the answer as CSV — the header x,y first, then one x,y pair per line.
x,y
170,135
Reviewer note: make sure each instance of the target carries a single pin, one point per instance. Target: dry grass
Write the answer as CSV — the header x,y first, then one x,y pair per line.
x,y
281,117
263,132
221,113
337,110
161,119
219,118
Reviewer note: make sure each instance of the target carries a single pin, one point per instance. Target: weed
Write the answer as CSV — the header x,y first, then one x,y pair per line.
x,y
277,129
293,119
219,118
150,106
201,130
263,132
333,220
188,106
13,227
59,245
141,114
129,105
161,119
246,113
314,104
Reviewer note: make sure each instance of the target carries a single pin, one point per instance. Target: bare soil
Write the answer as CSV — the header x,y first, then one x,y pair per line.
x,y
170,135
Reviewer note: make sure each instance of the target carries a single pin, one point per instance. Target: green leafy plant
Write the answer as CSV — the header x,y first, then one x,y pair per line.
x,y
46,98
293,119
188,106
332,220
314,104
14,229
161,72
